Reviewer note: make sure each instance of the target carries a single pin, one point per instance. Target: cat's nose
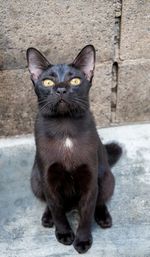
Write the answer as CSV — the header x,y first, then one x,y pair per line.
x,y
61,90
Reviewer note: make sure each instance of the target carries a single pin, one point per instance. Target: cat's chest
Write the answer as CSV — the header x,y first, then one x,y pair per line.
x,y
66,148
69,151
64,151
68,144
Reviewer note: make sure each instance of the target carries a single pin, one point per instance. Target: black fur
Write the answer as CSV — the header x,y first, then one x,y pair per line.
x,y
114,152
72,166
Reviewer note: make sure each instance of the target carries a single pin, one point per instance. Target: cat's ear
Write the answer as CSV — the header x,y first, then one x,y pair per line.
x,y
85,61
36,63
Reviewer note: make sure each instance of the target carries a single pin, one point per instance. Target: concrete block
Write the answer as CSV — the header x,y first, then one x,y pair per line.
x,y
135,29
133,96
12,59
58,28
17,103
100,94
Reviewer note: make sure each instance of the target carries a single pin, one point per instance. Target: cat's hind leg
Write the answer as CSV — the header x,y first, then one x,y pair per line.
x,y
47,220
37,189
36,184
102,216
106,185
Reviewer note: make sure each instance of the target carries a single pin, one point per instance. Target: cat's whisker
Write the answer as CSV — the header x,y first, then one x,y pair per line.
x,y
42,101
81,100
83,105
43,107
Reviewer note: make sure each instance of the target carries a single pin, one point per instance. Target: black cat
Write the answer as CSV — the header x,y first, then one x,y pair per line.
x,y
71,168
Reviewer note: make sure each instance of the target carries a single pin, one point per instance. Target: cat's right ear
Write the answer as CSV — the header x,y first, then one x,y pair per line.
x,y
36,63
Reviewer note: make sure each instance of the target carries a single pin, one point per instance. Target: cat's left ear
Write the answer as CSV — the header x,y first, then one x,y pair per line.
x,y
85,61
37,63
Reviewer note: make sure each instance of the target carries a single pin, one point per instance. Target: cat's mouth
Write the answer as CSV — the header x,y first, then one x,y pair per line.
x,y
61,101
62,105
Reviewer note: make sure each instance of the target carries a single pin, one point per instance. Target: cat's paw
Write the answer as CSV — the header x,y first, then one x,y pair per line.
x,y
102,216
105,221
82,246
66,238
47,220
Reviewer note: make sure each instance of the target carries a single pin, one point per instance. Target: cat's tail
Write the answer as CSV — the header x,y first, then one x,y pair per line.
x,y
114,152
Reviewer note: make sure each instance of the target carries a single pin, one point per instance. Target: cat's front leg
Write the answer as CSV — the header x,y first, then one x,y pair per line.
x,y
63,231
83,239
52,180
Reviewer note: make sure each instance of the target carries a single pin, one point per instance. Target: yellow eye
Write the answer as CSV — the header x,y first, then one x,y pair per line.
x,y
48,83
75,82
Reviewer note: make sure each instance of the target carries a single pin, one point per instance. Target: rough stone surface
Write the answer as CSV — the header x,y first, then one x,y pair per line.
x,y
135,29
17,102
133,96
21,233
11,59
58,28
100,94
120,31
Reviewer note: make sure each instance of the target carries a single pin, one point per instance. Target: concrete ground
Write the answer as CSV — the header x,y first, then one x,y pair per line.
x,y
21,234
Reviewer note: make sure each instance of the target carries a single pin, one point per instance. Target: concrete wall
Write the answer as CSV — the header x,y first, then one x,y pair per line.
x,y
120,31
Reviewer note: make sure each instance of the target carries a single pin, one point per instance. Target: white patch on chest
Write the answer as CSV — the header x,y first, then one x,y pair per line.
x,y
68,143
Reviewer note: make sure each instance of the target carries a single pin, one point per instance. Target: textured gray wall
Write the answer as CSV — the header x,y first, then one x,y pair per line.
x,y
120,31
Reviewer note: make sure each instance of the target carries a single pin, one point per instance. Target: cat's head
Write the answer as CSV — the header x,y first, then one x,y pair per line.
x,y
62,89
